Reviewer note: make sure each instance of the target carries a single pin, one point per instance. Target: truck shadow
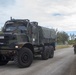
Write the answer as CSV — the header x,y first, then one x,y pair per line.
x,y
11,64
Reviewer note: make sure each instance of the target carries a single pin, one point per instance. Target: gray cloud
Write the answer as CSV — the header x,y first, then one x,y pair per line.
x,y
49,13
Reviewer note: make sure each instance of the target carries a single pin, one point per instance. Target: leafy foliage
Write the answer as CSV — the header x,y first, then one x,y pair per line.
x,y
71,42
62,37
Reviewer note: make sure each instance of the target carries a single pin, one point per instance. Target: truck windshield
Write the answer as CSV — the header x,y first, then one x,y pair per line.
x,y
22,27
12,27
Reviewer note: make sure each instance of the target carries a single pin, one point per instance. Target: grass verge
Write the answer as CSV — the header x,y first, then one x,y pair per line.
x,y
62,46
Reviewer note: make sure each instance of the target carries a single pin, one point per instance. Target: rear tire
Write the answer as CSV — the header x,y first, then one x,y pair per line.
x,y
3,60
45,53
51,52
24,58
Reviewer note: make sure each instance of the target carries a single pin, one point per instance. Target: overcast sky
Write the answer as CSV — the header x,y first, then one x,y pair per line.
x,y
60,14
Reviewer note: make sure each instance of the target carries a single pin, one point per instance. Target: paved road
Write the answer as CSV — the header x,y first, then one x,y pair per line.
x,y
59,65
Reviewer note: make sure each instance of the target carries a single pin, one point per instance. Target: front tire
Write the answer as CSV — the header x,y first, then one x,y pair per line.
x,y
3,60
24,58
74,50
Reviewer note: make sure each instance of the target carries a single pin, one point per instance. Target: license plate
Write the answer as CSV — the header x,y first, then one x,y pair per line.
x,y
1,37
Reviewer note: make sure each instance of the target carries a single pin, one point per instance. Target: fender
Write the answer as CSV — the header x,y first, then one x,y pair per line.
x,y
25,44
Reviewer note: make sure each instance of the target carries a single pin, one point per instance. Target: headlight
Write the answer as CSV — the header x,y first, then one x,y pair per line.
x,y
16,47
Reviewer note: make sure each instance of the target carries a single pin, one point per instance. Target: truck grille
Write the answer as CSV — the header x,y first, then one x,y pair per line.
x,y
3,40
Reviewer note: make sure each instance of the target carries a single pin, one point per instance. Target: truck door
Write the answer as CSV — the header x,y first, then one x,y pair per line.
x,y
30,33
35,34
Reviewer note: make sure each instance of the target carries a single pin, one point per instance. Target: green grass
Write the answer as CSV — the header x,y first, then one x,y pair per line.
x,y
62,46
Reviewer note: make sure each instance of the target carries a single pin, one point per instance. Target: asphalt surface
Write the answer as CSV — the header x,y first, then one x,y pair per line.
x,y
63,63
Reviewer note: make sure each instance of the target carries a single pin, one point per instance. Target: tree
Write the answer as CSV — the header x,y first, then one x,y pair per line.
x,y
62,37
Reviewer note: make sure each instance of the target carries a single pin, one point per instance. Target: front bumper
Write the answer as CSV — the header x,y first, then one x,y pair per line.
x,y
8,51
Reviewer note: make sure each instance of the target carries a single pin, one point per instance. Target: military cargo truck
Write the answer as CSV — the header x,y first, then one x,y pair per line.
x,y
74,45
22,39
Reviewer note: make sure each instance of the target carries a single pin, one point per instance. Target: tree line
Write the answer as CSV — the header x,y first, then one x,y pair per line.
x,y
62,37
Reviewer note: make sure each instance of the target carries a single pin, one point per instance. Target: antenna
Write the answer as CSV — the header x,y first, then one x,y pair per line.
x,y
10,18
